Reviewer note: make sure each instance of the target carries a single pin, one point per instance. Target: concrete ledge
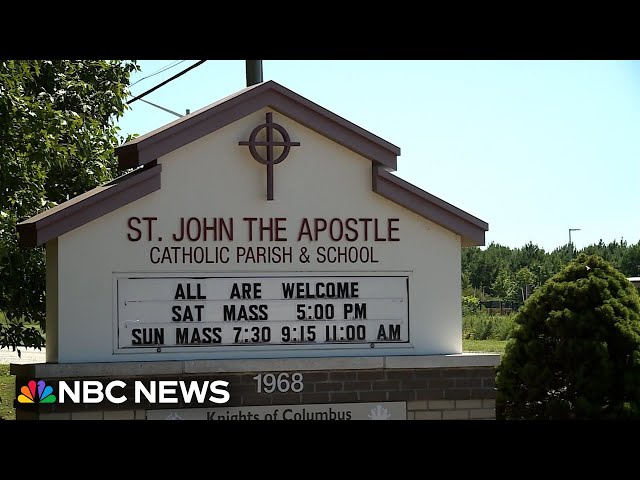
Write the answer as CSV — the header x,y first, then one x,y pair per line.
x,y
443,361
133,369
115,369
282,364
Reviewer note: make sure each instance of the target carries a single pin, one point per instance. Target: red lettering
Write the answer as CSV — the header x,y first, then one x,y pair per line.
x,y
391,229
336,237
305,229
378,238
280,228
366,227
250,221
137,230
316,226
150,221
351,229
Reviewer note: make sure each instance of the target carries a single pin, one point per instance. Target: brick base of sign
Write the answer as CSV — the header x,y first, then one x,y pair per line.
x,y
442,387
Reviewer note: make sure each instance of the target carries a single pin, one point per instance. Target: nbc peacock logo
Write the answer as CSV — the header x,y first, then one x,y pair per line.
x,y
36,392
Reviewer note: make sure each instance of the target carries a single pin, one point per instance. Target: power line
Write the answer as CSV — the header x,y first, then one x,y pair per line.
x,y
163,69
166,81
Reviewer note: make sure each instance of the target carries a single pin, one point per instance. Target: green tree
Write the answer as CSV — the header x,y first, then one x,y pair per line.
x,y
483,266
527,256
524,277
599,248
57,135
470,304
575,352
467,289
505,287
612,253
630,261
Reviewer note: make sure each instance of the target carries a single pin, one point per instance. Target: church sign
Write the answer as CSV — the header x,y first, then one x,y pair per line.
x,y
265,311
261,228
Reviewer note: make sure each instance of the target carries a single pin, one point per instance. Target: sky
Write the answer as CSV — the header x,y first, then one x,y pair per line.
x,y
533,148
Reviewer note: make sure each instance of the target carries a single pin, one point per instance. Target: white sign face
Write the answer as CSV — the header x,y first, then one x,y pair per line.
x,y
331,411
169,312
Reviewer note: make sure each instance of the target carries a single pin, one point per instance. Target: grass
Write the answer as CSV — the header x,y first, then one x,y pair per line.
x,y
7,393
483,326
485,333
7,388
484,346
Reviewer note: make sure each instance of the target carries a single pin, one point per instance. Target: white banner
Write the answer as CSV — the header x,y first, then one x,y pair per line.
x,y
193,311
331,411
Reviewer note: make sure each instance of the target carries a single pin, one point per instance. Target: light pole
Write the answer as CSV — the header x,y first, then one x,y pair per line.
x,y
570,244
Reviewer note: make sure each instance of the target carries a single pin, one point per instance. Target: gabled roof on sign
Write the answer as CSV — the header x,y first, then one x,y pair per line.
x,y
146,149
93,204
174,135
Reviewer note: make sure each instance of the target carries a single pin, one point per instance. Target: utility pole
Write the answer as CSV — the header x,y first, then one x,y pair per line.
x,y
254,72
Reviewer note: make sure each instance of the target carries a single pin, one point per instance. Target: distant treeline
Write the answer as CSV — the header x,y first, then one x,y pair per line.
x,y
500,272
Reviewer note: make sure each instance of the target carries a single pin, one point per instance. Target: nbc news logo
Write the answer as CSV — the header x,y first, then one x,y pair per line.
x,y
94,391
36,392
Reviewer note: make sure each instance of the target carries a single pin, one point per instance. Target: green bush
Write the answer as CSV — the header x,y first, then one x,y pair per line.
x,y
470,304
575,352
482,326
15,334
